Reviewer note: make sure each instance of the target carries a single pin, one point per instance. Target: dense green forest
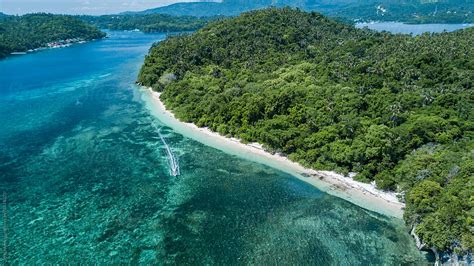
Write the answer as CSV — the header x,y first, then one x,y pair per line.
x,y
21,33
396,109
412,11
147,23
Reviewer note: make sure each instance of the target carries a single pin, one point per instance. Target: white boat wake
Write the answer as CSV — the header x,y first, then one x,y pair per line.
x,y
172,159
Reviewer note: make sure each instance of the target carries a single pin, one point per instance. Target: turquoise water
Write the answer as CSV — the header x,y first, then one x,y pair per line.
x,y
415,29
87,179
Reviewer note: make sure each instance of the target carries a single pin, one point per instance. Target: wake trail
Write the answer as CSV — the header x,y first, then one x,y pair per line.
x,y
172,159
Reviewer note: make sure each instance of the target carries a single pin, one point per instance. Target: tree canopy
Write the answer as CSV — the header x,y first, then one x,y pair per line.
x,y
396,109
147,23
413,11
21,33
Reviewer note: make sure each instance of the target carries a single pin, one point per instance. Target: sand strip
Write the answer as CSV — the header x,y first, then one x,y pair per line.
x,y
361,194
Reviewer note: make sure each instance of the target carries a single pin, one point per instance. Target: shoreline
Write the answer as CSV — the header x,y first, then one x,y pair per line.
x,y
361,194
48,47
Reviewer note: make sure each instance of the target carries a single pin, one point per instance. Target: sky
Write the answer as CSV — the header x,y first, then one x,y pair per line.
x,y
93,7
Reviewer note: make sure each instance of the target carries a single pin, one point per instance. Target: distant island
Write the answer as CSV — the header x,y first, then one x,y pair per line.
x,y
21,34
147,23
395,109
408,11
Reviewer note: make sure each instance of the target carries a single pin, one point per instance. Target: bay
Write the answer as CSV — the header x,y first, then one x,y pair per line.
x,y
415,29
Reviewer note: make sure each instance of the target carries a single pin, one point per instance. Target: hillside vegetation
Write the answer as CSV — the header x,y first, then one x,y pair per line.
x,y
21,33
147,23
413,11
396,109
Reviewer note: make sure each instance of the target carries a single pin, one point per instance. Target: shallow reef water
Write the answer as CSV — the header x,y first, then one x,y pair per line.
x,y
86,179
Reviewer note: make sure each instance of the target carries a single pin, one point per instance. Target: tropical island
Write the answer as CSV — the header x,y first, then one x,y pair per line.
x,y
395,109
20,34
147,22
27,33
408,11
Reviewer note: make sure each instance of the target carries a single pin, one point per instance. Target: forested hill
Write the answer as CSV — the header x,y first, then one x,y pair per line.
x,y
395,109
413,11
147,23
409,11
21,33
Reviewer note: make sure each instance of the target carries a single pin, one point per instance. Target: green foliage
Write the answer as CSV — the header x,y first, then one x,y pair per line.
x,y
442,203
413,11
421,197
410,11
147,23
21,33
395,109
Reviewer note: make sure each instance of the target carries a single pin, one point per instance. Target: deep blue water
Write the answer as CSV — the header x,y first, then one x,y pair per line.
x,y
87,179
415,29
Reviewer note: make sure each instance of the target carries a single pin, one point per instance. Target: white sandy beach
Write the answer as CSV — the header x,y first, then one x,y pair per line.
x,y
364,195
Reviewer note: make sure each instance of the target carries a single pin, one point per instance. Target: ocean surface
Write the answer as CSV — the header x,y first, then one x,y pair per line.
x,y
415,29
88,175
